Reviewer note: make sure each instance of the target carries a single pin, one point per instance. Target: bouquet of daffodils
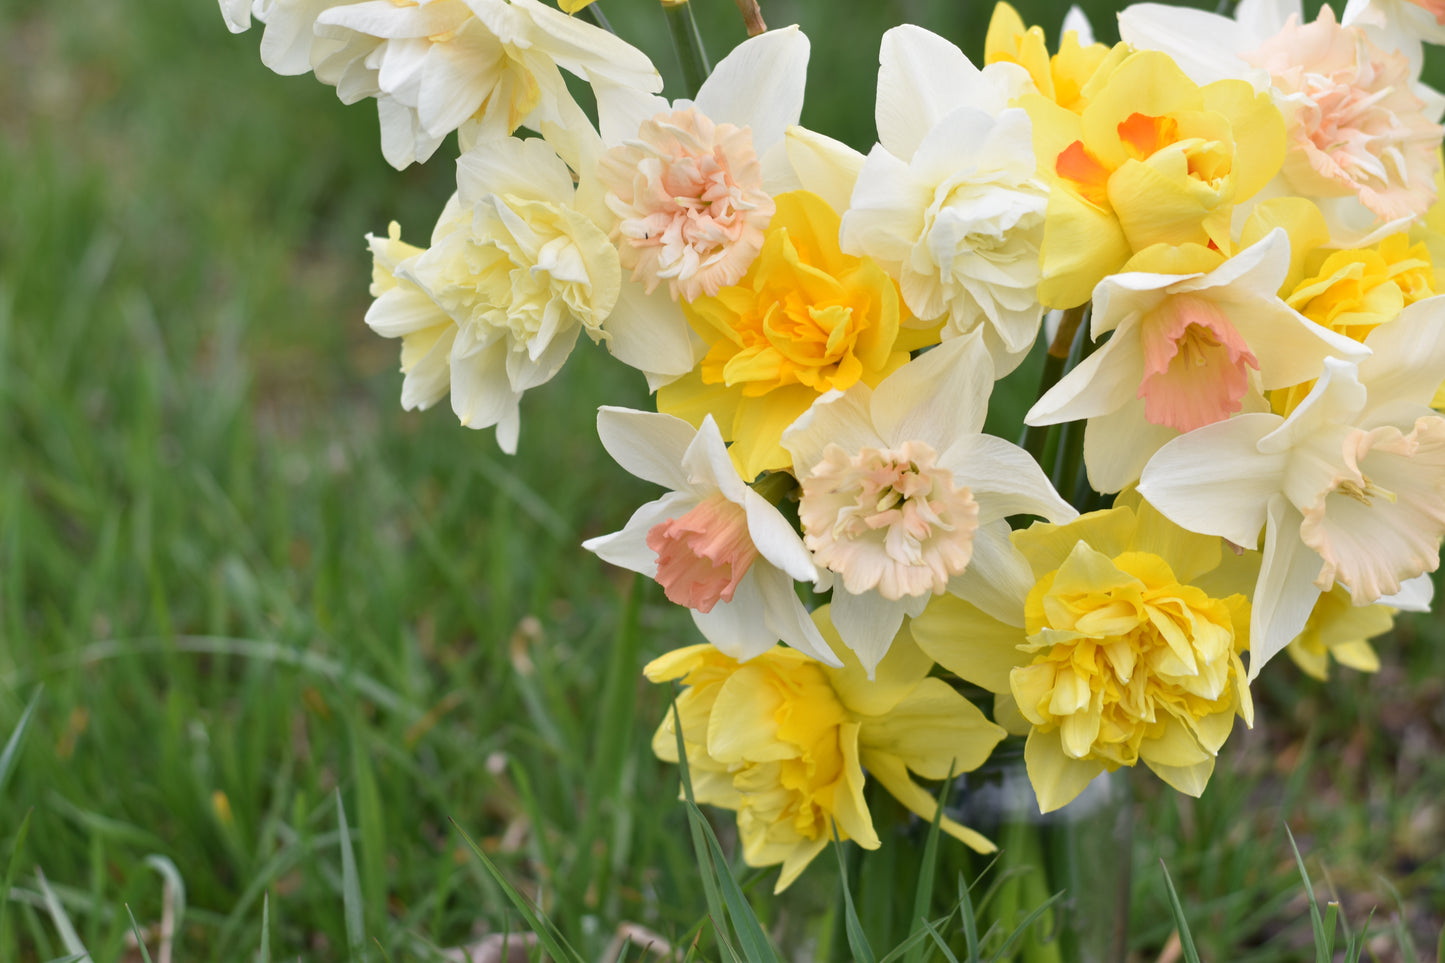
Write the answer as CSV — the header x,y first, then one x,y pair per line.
x,y
1213,243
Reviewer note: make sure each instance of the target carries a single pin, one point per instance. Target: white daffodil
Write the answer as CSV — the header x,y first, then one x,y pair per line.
x,y
1403,25
950,201
681,188
1187,350
715,545
902,493
1350,488
435,66
520,272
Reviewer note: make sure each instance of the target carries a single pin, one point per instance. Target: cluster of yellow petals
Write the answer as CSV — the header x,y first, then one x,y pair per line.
x,y
1060,78
1151,158
805,319
785,740
1126,649
1340,630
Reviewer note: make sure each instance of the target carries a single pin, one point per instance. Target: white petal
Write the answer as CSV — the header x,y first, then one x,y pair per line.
x,y
1409,355
628,548
738,628
648,444
1078,21
867,624
1203,44
759,85
1102,383
621,110
1415,595
708,466
1005,480
1337,399
649,332
1286,592
827,167
998,577
938,396
481,395
511,166
1118,445
775,539
787,617
920,75
1215,480
836,418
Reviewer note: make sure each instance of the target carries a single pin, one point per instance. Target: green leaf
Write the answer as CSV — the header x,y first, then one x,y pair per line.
x,y
17,737
928,868
350,889
68,937
1181,922
1322,940
139,939
264,955
10,872
754,942
696,826
1028,922
857,939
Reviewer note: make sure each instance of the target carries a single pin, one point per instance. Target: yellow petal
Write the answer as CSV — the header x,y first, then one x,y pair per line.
x,y
971,644
1155,205
1056,778
1189,780
1083,244
850,809
903,667
935,731
1045,546
893,776
1258,131
1301,220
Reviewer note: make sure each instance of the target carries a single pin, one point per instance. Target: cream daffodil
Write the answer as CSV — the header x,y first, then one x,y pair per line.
x,y
1349,489
438,65
902,493
520,272
1195,339
950,202
788,743
715,545
1122,644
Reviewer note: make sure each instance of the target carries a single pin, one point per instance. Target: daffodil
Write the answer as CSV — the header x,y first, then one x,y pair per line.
x,y
806,319
1122,645
715,545
1340,631
1349,489
1195,339
788,743
1060,78
403,310
950,202
521,273
902,493
1153,158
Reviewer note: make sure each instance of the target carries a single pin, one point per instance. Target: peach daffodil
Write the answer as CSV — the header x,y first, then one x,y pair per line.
x,y
902,493
789,743
1195,338
1349,489
715,545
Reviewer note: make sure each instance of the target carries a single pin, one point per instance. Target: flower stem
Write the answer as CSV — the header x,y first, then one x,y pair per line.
x,y
752,17
776,486
687,41
593,14
1036,436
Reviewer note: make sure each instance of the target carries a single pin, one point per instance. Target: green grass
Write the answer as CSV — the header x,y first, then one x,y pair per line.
x,y
255,592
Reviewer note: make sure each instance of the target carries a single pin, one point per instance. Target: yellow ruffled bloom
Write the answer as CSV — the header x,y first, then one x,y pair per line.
x,y
1060,78
1126,649
1152,159
785,740
1339,630
804,320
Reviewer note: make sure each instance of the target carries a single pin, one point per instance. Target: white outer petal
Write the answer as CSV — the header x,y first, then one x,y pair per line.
x,y
1409,355
649,332
1101,384
627,548
920,76
738,628
787,617
1286,592
1206,46
818,163
867,624
775,539
1415,595
759,85
836,418
937,397
647,444
1215,480
998,578
1118,445
1005,480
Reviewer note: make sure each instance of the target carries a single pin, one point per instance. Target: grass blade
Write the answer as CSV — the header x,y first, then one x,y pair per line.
x,y
557,947
857,939
1028,922
140,940
68,937
1322,939
754,942
17,738
923,893
264,955
942,944
1181,923
350,889
696,826
10,872
174,902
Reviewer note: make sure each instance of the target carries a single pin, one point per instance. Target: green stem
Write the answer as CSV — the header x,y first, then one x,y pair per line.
x,y
1036,436
593,14
687,41
776,486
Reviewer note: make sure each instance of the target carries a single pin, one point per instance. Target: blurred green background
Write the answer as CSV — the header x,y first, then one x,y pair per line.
x,y
240,584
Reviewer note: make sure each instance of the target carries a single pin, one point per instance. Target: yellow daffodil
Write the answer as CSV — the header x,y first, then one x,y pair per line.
x,y
1339,630
1123,645
785,741
1060,78
806,319
1153,158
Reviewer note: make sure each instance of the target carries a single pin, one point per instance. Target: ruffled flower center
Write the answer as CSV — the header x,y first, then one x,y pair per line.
x,y
689,197
703,554
1196,365
1381,519
1128,662
891,519
1357,127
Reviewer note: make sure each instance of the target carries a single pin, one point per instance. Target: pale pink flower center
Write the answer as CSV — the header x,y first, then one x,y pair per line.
x,y
689,197
891,520
703,554
1382,519
1357,128
1195,364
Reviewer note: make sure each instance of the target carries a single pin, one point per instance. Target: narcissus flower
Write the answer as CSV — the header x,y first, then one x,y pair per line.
x,y
950,202
805,320
1153,159
1196,337
519,270
715,545
1060,78
1123,645
1340,631
1350,488
902,493
403,310
786,741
